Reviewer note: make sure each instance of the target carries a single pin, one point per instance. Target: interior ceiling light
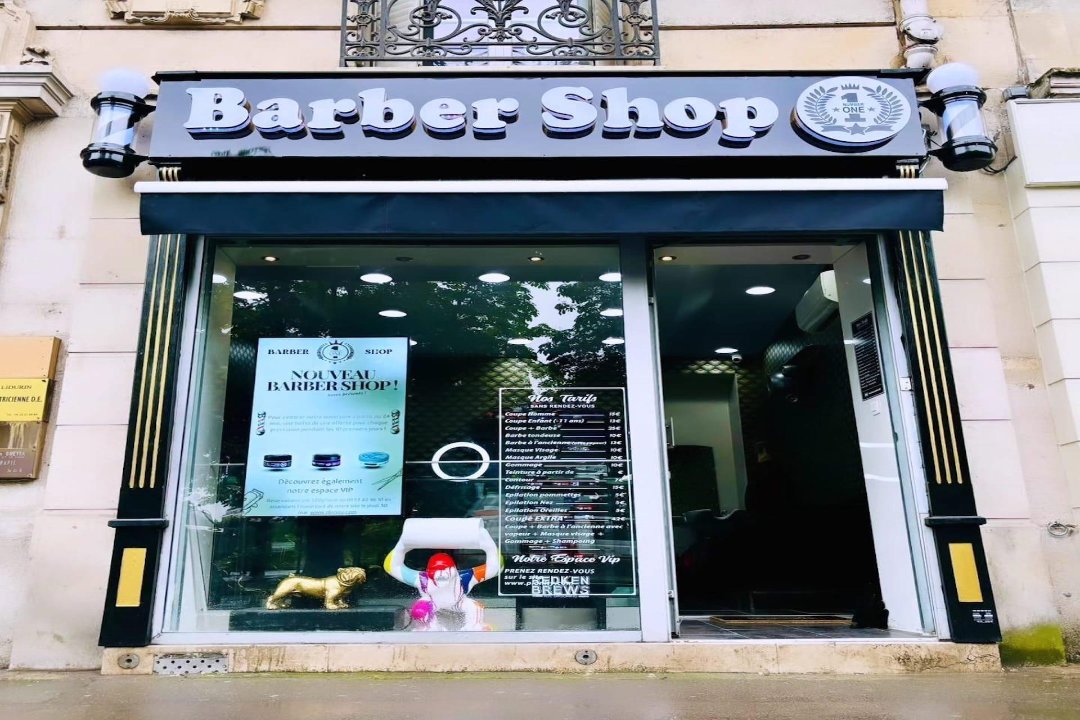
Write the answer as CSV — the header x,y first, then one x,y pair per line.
x,y
376,278
393,313
494,277
726,351
611,277
403,258
413,343
536,258
667,258
800,256
866,281
519,341
612,312
249,295
270,258
760,290
613,341
219,279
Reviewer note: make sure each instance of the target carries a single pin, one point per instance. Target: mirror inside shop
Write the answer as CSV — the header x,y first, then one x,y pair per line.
x,y
407,438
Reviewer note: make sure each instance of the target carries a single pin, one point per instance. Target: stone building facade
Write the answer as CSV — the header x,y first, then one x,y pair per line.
x,y
72,266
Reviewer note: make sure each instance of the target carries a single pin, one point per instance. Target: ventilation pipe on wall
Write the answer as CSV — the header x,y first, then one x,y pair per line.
x,y
921,33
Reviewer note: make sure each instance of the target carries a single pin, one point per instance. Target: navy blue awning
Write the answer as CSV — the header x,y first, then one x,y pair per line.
x,y
504,215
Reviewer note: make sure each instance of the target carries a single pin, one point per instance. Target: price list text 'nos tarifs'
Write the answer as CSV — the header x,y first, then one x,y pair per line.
x,y
566,520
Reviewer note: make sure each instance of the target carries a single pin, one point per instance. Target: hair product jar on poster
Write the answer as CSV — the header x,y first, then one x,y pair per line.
x,y
277,462
326,460
374,459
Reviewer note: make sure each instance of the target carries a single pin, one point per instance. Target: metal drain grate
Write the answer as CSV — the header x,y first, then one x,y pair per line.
x,y
194,664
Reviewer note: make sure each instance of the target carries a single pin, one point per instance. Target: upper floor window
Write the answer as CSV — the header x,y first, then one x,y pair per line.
x,y
498,32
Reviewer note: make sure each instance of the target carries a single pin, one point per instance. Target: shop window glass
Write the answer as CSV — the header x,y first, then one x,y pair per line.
x,y
406,439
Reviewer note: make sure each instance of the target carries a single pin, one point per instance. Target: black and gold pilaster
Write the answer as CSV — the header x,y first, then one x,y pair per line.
x,y
953,517
140,521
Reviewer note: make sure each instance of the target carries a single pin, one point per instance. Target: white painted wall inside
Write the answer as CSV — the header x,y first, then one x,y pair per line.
x,y
703,413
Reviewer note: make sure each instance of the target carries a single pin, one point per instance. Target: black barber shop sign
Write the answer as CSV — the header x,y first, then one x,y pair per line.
x,y
683,124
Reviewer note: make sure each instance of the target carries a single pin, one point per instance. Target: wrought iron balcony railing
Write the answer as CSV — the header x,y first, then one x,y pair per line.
x,y
498,32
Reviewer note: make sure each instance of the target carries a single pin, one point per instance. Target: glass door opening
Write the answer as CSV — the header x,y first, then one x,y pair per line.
x,y
785,501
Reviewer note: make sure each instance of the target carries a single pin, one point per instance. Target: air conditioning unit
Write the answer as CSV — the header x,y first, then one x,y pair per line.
x,y
819,304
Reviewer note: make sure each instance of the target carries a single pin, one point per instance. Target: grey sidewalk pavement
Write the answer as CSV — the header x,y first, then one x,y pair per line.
x,y
1036,693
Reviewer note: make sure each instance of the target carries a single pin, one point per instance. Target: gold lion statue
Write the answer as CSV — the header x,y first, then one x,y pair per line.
x,y
331,590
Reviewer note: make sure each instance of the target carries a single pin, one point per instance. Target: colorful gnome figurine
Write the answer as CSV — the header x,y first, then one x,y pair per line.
x,y
444,602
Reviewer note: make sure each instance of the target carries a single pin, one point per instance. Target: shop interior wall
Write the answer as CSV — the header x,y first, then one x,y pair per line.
x,y
72,262
803,495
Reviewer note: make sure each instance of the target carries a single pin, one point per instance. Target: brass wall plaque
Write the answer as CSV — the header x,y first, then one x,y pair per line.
x,y
27,366
20,450
23,400
28,357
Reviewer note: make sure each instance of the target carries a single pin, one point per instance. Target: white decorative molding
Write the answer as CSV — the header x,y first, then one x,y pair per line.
x,y
185,12
30,89
27,93
34,92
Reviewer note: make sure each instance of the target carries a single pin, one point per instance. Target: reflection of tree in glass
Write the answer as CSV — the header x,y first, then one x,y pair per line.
x,y
447,318
463,355
462,329
578,352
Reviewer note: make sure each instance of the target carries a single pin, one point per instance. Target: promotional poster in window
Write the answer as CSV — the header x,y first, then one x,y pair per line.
x,y
328,427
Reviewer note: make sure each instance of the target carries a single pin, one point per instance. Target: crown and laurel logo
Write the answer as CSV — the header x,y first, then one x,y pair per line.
x,y
335,352
851,113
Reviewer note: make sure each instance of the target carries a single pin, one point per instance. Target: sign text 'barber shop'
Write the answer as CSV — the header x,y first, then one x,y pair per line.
x,y
565,111
316,120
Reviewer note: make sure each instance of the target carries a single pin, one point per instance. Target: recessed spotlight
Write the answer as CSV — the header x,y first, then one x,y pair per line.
x,y
726,350
518,341
866,281
612,312
667,258
611,277
393,313
270,258
494,277
536,258
613,341
413,343
249,295
801,256
376,278
219,279
760,290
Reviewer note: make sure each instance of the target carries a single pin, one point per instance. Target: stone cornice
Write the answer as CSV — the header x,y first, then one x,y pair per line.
x,y
33,92
1057,83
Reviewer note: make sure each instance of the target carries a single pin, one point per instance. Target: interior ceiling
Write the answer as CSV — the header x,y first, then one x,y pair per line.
x,y
448,262
704,307
701,296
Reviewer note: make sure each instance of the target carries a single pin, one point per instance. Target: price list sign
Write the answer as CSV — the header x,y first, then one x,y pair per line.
x,y
566,513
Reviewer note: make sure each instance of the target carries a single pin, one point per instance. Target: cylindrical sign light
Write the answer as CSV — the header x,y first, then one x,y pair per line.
x,y
119,106
958,100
